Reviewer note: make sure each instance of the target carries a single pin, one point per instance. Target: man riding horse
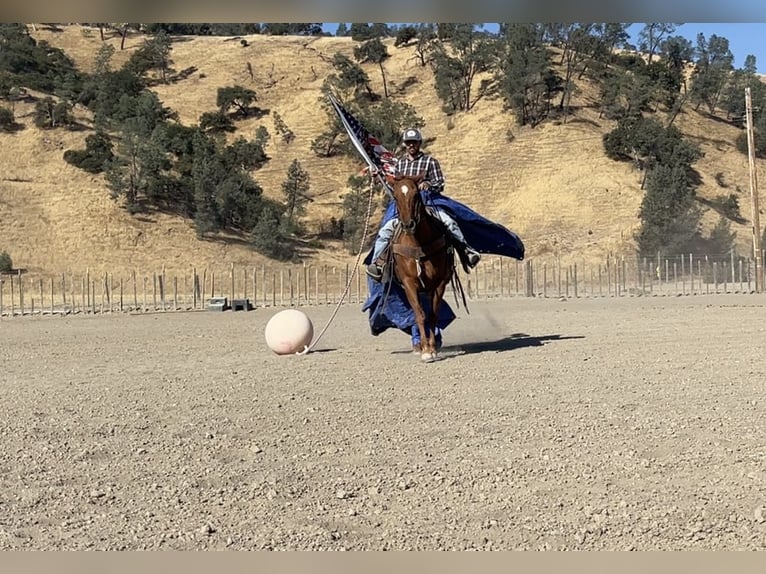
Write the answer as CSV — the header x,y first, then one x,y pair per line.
x,y
415,162
469,232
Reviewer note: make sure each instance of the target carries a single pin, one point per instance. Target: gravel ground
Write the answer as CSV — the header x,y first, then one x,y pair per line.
x,y
596,424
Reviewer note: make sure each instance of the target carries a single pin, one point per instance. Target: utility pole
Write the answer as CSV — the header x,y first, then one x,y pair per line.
x,y
754,194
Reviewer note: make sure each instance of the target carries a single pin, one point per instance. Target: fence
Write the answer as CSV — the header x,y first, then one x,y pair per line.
x,y
302,285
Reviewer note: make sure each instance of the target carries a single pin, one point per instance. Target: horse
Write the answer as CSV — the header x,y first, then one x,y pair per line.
x,y
423,259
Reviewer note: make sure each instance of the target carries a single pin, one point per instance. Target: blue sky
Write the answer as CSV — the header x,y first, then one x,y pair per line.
x,y
744,38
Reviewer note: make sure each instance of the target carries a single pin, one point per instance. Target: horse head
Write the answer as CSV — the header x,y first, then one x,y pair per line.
x,y
408,201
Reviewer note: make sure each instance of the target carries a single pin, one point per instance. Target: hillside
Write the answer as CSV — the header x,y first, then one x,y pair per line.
x,y
552,184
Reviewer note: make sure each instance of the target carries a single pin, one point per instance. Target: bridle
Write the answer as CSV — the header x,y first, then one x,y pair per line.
x,y
411,225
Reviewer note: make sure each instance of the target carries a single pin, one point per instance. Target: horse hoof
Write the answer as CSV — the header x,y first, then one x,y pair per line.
x,y
428,357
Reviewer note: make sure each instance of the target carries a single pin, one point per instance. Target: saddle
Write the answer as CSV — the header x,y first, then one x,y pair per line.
x,y
386,261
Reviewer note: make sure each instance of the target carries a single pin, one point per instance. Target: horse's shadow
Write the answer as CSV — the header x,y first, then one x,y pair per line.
x,y
509,343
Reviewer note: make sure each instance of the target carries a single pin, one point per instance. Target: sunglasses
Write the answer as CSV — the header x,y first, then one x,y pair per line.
x,y
412,142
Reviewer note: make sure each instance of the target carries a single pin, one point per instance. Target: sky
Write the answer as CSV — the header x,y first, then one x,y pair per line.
x,y
744,38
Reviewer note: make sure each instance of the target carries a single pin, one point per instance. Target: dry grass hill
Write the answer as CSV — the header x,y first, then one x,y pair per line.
x,y
552,184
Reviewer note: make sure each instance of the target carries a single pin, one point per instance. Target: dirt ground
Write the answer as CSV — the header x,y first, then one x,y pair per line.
x,y
613,424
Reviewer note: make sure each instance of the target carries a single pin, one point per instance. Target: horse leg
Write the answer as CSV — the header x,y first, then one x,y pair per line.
x,y
436,300
411,290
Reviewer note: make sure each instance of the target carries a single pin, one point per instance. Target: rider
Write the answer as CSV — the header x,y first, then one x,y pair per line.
x,y
413,163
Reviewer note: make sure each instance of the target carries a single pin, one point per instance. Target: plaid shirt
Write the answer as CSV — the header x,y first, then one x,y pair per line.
x,y
423,163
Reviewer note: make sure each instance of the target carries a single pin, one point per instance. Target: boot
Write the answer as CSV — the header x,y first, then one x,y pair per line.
x,y
374,271
472,256
469,257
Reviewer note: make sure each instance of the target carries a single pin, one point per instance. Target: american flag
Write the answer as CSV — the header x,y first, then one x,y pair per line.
x,y
372,150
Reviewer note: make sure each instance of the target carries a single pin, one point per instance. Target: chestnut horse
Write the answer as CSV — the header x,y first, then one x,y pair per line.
x,y
423,259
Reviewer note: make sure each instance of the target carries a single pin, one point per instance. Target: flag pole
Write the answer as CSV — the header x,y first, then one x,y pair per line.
x,y
357,144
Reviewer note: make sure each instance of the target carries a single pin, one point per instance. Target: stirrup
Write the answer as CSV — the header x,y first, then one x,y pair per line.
x,y
473,257
374,271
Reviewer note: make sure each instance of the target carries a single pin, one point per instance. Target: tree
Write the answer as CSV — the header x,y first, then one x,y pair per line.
x,y
577,43
207,172
525,80
280,127
292,29
216,122
136,170
721,241
374,51
349,76
426,40
6,263
295,189
647,142
355,212
267,237
714,63
669,218
34,65
103,93
154,54
388,119
96,156
236,97
238,201
363,31
103,63
759,137
609,36
243,155
471,52
733,96
7,120
405,35
140,164
262,137
50,114
651,36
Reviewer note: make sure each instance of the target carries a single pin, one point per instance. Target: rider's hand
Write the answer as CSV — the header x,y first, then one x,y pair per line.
x,y
424,185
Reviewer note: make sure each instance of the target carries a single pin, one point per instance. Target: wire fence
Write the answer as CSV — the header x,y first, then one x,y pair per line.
x,y
245,288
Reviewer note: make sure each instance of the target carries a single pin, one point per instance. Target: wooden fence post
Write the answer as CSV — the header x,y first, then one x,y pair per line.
x,y
232,295
21,294
715,275
263,282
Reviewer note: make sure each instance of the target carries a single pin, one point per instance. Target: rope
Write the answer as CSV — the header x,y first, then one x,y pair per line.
x,y
307,348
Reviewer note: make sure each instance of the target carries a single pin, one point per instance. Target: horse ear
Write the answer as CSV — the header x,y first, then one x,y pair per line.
x,y
390,178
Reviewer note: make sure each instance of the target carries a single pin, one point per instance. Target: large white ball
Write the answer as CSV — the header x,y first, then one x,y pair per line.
x,y
289,331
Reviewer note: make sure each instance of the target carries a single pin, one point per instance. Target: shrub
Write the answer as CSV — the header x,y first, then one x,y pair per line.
x,y
6,264
96,155
728,206
7,120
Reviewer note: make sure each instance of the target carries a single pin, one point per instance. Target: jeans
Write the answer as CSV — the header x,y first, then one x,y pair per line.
x,y
387,230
